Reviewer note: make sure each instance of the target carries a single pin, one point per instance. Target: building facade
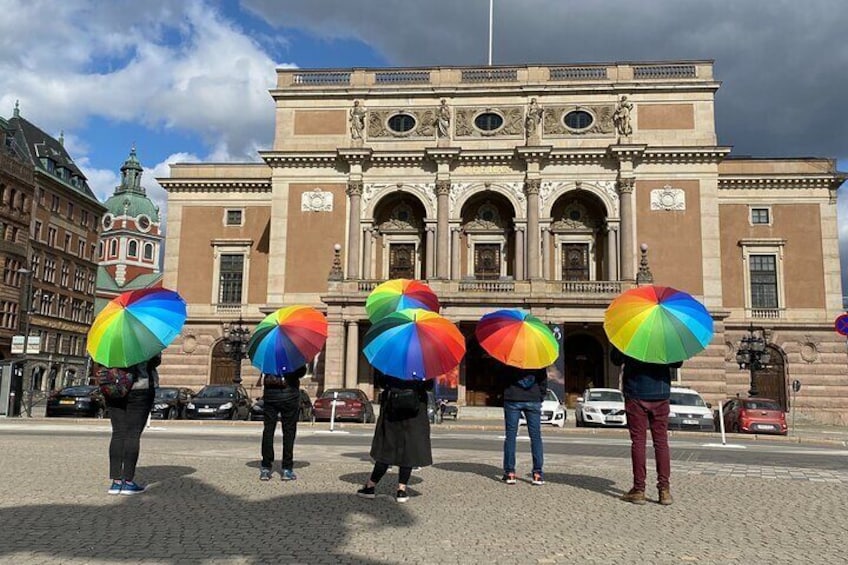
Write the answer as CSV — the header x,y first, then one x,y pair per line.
x,y
541,187
58,270
130,241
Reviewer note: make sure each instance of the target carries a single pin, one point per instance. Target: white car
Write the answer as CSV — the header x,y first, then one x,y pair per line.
x,y
689,411
553,412
600,407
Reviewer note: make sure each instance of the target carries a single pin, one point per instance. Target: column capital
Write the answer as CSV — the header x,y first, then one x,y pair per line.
x,y
354,188
626,185
532,186
443,187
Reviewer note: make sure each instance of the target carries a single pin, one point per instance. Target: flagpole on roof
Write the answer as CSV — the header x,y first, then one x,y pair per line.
x,y
491,10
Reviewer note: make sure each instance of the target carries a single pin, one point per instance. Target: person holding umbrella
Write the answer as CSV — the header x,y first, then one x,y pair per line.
x,y
281,346
408,348
130,333
653,329
525,347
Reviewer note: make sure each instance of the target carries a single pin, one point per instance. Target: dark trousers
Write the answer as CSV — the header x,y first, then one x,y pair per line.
x,y
284,406
128,416
404,473
641,415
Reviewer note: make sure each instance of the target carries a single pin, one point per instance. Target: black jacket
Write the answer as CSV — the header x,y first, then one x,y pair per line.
x,y
644,381
524,385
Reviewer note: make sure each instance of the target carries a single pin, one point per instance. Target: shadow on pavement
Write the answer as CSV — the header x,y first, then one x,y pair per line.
x,y
481,469
255,464
585,482
361,455
180,519
154,474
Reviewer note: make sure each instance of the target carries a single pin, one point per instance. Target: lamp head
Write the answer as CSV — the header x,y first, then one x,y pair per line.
x,y
337,247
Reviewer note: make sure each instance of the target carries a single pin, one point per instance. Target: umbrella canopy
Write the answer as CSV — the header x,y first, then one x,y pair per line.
x,y
287,339
135,326
399,294
517,338
658,324
414,344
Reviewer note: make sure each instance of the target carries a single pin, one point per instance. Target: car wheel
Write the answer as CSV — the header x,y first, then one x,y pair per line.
x,y
234,414
101,412
735,428
172,413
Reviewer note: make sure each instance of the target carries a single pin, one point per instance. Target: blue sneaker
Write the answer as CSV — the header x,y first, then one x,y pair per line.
x,y
131,487
116,487
288,475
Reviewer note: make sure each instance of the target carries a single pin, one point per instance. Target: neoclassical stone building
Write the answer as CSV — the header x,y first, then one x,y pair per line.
x,y
524,186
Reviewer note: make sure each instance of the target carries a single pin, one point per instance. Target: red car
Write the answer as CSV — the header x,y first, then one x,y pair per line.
x,y
351,404
753,416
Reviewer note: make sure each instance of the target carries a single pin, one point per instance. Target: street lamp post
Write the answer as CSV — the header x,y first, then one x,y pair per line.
x,y
27,310
753,355
236,336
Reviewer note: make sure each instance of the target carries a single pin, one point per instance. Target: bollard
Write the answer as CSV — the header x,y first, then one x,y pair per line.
x,y
721,423
333,411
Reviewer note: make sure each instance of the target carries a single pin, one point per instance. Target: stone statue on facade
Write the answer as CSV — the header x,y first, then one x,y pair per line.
x,y
443,118
533,118
357,121
621,117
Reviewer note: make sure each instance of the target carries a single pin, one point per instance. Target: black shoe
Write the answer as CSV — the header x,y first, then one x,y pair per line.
x,y
366,492
402,496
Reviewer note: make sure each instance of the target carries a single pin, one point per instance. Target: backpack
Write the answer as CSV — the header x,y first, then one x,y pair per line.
x,y
114,383
402,404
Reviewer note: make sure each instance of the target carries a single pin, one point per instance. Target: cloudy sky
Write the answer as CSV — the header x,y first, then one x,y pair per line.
x,y
188,80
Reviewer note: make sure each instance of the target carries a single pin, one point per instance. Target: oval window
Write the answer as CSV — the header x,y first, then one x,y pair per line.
x,y
144,222
401,123
107,221
578,119
488,121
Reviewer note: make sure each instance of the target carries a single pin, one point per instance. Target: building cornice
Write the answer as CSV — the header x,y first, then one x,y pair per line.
x,y
764,182
679,155
214,185
277,159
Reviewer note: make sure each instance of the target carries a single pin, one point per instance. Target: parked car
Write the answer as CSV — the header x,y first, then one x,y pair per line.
x,y
219,402
553,412
77,401
351,404
170,403
689,411
752,416
600,407
257,411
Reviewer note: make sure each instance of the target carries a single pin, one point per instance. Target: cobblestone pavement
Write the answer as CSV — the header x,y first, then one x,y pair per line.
x,y
206,505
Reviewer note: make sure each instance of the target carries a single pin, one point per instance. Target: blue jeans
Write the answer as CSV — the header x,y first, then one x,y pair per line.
x,y
533,414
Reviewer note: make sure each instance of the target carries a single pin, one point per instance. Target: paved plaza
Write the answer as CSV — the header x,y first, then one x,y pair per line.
x,y
205,503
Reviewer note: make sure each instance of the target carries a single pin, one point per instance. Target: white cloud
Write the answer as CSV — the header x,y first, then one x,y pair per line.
x,y
175,65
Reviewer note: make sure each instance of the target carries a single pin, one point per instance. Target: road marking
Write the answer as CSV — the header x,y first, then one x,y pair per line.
x,y
730,445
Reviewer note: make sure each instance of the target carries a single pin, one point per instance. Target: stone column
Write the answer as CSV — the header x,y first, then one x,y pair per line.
x,y
519,253
546,253
455,270
354,192
334,360
531,189
442,228
628,230
612,252
429,252
368,240
352,355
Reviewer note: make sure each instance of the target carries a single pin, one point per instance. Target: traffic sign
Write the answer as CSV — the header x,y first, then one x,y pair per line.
x,y
841,324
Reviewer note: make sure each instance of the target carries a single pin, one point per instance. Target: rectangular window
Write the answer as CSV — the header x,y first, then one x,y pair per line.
x,y
83,217
54,206
234,217
231,279
36,231
49,271
763,271
65,275
67,242
70,210
51,236
760,216
81,249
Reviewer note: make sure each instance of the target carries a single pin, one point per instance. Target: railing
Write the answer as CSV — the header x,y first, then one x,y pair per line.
x,y
664,71
402,77
765,313
366,285
312,78
578,73
229,308
591,287
487,286
489,75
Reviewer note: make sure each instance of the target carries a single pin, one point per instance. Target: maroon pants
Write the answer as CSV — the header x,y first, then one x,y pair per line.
x,y
642,414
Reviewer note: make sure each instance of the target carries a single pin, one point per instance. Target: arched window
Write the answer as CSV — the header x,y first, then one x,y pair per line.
x,y
148,252
100,250
132,249
113,248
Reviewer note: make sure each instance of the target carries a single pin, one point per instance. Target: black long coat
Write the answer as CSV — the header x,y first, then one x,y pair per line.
x,y
405,443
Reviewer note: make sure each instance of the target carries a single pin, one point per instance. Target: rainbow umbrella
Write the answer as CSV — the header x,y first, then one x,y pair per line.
x,y
399,294
135,326
517,338
414,344
287,339
658,324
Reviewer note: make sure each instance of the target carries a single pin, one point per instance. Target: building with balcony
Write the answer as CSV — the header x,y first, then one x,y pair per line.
x,y
520,186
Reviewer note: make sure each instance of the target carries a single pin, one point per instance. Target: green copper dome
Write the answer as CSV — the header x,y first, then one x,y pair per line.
x,y
130,198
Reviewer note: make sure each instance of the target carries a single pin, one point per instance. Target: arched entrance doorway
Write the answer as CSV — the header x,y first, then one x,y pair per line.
x,y
771,381
584,365
402,247
488,240
223,368
579,237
